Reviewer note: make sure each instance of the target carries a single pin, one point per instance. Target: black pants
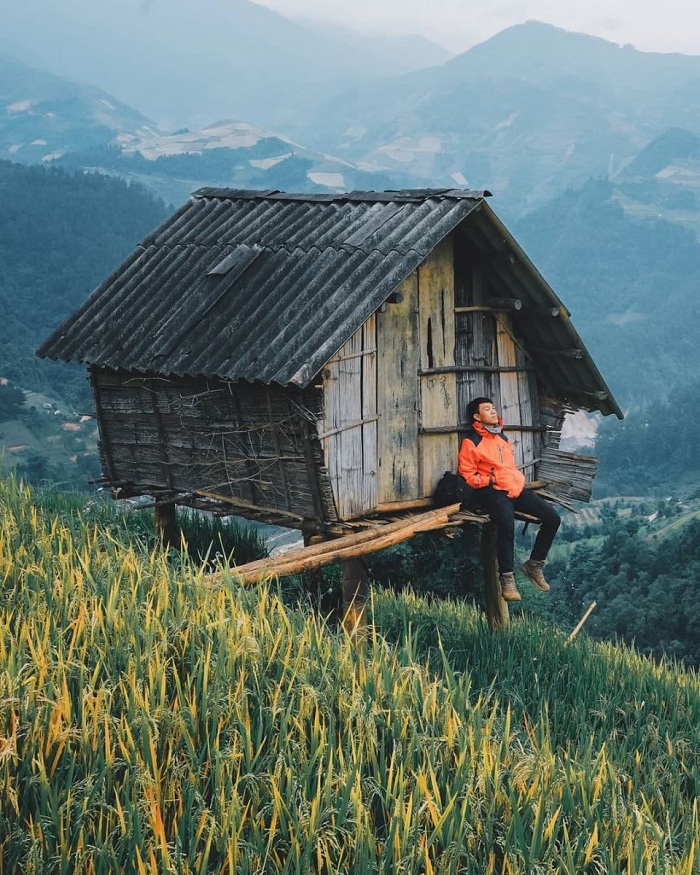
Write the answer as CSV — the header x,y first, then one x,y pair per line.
x,y
502,509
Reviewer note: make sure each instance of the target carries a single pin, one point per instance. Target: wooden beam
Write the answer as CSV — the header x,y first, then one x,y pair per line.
x,y
347,547
449,429
468,369
497,614
505,304
356,424
544,311
353,355
166,525
247,505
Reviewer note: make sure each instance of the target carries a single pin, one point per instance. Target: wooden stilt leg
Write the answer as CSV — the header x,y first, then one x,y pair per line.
x,y
166,526
496,609
355,590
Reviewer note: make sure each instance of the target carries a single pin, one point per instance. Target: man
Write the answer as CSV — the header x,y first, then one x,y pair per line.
x,y
487,463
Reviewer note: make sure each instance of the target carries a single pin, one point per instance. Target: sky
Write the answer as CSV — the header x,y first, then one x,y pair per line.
x,y
649,25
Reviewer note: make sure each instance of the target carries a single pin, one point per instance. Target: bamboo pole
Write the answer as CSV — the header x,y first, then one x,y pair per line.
x,y
348,547
356,538
580,623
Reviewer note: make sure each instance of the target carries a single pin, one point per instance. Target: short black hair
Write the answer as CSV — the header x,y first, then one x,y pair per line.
x,y
473,406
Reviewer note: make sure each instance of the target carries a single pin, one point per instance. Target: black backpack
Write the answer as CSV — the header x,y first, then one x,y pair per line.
x,y
452,489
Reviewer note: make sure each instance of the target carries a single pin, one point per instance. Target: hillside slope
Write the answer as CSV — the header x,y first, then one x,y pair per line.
x,y
206,728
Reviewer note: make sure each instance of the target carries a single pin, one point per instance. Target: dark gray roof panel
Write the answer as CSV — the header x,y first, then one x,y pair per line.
x,y
304,272
267,286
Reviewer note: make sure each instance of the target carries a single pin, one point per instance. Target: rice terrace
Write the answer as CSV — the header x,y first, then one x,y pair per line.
x,y
152,723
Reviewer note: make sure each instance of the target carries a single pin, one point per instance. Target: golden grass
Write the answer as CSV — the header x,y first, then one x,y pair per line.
x,y
151,724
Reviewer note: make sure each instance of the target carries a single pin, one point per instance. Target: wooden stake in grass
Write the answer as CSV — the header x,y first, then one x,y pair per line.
x,y
579,625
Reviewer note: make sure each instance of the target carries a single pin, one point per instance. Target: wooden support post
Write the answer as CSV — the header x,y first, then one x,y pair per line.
x,y
496,608
355,574
166,525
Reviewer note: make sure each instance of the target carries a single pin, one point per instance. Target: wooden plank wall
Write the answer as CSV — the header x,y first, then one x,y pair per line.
x,y
397,395
475,337
348,431
516,402
491,362
438,391
248,441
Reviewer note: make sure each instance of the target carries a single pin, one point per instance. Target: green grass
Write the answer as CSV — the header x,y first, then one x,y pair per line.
x,y
152,723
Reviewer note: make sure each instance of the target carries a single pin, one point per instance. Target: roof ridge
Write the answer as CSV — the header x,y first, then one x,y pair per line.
x,y
409,195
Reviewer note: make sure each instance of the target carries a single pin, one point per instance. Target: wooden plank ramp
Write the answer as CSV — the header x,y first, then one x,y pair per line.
x,y
348,546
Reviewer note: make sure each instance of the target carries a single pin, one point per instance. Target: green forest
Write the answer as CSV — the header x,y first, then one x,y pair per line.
x,y
630,284
61,234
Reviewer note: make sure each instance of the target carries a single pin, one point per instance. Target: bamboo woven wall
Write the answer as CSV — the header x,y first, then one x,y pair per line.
x,y
250,442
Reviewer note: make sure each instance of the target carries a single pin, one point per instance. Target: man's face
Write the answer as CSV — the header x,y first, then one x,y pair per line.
x,y
487,414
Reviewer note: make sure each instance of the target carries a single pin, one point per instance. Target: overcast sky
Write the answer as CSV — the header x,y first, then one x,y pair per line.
x,y
650,25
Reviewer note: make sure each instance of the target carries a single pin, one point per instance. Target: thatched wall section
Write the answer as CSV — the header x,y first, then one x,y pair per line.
x,y
247,442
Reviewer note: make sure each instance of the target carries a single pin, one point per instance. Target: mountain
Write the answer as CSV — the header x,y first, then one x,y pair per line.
x,y
663,180
186,64
228,153
630,282
43,116
527,114
401,54
48,119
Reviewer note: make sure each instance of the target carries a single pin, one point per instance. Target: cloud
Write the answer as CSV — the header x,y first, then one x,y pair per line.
x,y
145,6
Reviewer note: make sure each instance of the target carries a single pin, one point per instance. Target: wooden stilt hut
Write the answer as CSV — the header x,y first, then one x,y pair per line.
x,y
307,360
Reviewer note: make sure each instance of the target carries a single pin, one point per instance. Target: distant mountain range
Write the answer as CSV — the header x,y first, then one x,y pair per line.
x,y
527,114
43,116
47,119
185,63
592,151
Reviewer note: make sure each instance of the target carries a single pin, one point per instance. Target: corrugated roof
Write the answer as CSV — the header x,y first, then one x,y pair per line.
x,y
267,286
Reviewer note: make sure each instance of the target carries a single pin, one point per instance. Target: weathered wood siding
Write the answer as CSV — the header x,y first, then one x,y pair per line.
x,y
438,444
398,359
490,360
348,431
248,441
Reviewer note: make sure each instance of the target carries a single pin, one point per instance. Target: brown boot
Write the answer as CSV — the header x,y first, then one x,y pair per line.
x,y
509,591
533,569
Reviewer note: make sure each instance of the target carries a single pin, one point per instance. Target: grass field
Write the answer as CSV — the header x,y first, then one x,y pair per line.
x,y
150,723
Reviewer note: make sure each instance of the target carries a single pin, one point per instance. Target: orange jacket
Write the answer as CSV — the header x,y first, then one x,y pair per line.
x,y
487,459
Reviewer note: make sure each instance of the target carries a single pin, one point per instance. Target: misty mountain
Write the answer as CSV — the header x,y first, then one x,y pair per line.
x,y
48,119
663,180
401,54
185,63
630,283
43,116
228,153
528,113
